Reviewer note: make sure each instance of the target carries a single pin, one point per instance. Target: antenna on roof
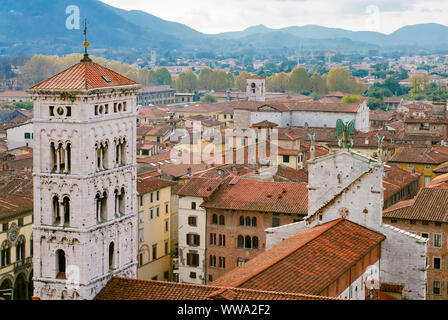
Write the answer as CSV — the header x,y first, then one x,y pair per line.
x,y
86,45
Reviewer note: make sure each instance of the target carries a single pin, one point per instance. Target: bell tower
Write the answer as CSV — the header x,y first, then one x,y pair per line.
x,y
85,215
256,88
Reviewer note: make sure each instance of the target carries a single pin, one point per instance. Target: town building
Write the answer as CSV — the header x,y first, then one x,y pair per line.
x,y
426,216
154,233
20,135
154,95
16,247
424,160
342,187
15,96
85,215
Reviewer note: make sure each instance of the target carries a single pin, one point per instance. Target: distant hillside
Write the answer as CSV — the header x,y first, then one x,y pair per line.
x,y
431,34
38,26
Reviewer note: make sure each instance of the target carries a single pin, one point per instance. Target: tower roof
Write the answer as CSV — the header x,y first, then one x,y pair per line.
x,y
84,76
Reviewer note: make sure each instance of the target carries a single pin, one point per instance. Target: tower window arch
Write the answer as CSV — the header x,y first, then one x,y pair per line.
x,y
111,256
56,210
60,264
61,157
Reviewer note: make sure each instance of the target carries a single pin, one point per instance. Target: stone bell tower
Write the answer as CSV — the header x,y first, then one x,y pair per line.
x,y
85,215
256,88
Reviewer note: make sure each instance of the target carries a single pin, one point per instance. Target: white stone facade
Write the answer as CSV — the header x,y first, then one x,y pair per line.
x,y
349,184
85,210
256,89
186,211
297,118
20,136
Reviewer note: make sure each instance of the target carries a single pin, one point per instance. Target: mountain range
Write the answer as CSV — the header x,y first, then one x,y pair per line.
x,y
39,26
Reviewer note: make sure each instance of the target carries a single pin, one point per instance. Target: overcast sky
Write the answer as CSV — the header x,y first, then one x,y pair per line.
x,y
214,16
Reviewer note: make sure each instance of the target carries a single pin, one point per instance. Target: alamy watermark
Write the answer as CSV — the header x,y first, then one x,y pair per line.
x,y
73,21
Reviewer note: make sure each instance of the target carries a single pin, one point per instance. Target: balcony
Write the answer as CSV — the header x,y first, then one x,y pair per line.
x,y
23,264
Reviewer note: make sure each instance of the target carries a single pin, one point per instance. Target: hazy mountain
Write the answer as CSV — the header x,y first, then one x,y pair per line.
x,y
39,26
432,34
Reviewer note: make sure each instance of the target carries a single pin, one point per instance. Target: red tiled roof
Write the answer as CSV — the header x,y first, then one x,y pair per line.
x,y
431,204
308,262
396,179
83,76
199,187
421,155
152,184
132,289
286,172
265,124
262,196
12,204
443,168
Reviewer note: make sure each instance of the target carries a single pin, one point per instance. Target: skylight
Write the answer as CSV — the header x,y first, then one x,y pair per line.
x,y
106,79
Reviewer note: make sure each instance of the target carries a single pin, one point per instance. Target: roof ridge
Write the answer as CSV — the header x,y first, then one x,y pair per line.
x,y
329,224
339,193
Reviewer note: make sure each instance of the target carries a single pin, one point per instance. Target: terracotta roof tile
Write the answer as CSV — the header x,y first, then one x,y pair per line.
x,y
132,289
83,76
431,204
152,184
261,196
421,155
12,204
199,187
308,262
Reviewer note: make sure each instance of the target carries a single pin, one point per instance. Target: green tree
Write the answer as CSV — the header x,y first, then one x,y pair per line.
x,y
205,79
230,80
299,80
339,79
375,103
241,80
186,82
351,98
162,77
318,84
37,69
419,83
208,98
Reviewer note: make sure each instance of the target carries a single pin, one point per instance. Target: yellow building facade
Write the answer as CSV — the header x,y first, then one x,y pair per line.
x,y
16,247
154,234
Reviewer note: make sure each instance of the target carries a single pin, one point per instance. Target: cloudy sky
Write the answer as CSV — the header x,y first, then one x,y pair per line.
x,y
214,16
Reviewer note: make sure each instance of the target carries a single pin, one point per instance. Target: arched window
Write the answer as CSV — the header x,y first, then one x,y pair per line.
x,y
248,242
240,242
241,221
53,157
111,256
221,220
103,216
5,253
248,221
254,222
60,264
20,248
66,203
98,207
56,210
121,202
255,242
214,219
